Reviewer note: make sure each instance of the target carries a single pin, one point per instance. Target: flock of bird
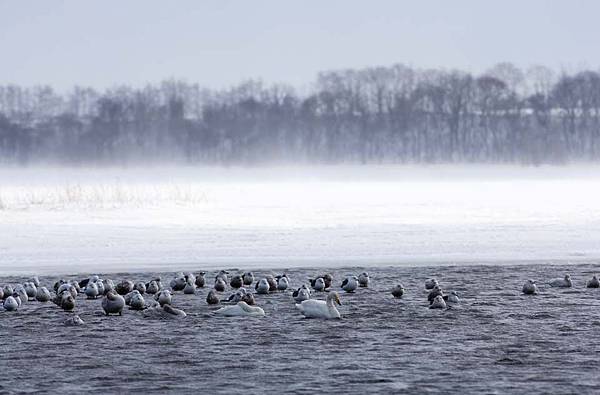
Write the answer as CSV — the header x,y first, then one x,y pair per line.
x,y
530,286
155,299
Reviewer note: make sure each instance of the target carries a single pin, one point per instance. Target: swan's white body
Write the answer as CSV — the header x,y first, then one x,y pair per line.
x,y
241,309
562,282
321,308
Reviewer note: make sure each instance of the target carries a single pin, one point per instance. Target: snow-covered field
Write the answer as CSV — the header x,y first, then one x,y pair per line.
x,y
118,219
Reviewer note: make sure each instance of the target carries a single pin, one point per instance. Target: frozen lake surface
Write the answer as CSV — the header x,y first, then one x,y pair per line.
x,y
139,219
496,341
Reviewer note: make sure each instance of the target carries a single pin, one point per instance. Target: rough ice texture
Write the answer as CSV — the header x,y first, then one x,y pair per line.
x,y
64,220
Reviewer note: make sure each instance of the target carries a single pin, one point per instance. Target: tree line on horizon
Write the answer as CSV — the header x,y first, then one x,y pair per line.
x,y
395,114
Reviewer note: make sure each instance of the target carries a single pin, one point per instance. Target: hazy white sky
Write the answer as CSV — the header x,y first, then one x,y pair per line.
x,y
218,43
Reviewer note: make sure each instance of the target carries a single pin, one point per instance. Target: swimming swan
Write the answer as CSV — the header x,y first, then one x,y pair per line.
x,y
321,309
241,309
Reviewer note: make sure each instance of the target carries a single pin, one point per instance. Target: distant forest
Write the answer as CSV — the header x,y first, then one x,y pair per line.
x,y
394,114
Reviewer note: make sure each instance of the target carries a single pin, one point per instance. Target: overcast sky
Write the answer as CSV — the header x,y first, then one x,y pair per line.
x,y
218,43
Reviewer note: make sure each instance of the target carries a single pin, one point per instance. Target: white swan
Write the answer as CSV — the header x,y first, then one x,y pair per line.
x,y
562,282
321,309
241,309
